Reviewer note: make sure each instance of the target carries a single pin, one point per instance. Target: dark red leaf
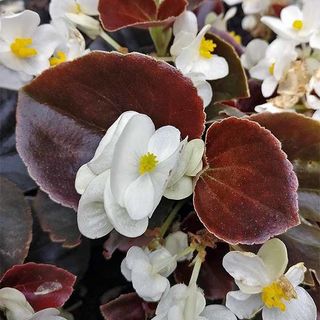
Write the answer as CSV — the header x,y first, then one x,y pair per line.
x,y
59,221
44,285
126,307
247,192
15,225
118,14
213,278
63,113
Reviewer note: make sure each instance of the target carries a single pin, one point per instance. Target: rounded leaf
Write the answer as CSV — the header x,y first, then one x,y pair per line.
x,y
63,114
248,191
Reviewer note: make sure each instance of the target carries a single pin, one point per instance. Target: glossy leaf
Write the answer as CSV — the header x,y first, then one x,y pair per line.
x,y
60,222
118,14
15,225
126,307
234,85
43,285
247,192
60,122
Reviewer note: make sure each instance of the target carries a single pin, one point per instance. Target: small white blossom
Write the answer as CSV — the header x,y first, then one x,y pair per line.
x,y
176,243
219,21
253,53
279,55
251,6
148,271
264,286
298,25
25,46
79,12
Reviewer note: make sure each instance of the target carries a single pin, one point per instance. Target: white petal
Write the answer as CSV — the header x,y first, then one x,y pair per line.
x,y
277,26
244,306
213,68
296,274
315,40
135,256
162,261
132,144
12,80
247,268
269,85
186,22
83,178
218,312
232,2
20,25
47,314
196,148
180,190
89,7
176,243
275,257
181,41
289,14
125,270
269,107
119,216
204,88
164,142
90,26
261,70
255,6
249,22
254,52
302,308
230,14
58,8
139,198
93,221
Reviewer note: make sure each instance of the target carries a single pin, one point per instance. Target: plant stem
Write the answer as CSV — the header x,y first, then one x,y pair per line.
x,y
113,43
195,271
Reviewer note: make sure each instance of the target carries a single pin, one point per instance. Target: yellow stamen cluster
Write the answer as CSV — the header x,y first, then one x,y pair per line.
x,y
271,69
237,38
20,47
78,8
297,25
206,48
58,58
147,163
274,294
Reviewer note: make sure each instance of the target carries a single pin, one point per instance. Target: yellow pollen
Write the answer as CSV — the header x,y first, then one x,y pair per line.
x,y
297,25
147,163
58,58
274,294
237,38
20,47
271,69
206,48
78,8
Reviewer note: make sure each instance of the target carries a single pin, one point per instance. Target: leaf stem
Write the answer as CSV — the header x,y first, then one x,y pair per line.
x,y
196,270
113,43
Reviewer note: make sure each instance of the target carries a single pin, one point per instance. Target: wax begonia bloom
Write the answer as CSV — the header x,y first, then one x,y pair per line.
x,y
219,21
24,45
180,185
297,25
193,53
142,162
263,285
254,53
188,303
79,12
148,271
176,243
279,55
15,306
251,6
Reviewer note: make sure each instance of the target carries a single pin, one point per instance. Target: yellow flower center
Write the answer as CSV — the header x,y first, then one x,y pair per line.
x,y
237,38
20,47
271,69
274,294
147,163
58,58
78,8
206,48
297,25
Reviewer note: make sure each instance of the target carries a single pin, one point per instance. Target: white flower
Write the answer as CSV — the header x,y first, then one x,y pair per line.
x,y
176,243
313,92
298,25
254,53
148,271
194,54
263,285
24,45
79,12
220,21
124,182
180,185
13,80
72,44
251,6
188,303
273,66
15,306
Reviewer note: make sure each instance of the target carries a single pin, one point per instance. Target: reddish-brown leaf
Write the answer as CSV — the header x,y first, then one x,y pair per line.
x,y
126,307
118,14
63,113
247,192
44,285
15,225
